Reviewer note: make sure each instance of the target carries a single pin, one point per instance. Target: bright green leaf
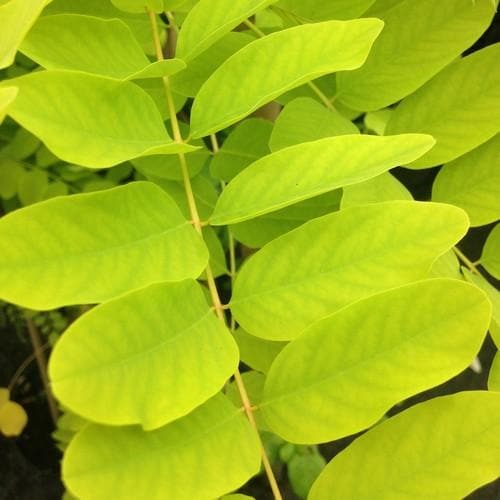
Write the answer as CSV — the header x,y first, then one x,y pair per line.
x,y
304,120
494,375
88,248
323,47
418,40
60,107
104,47
370,355
376,121
319,10
440,449
206,454
17,18
216,251
189,81
471,182
210,20
466,114
490,258
162,348
245,144
493,295
255,233
446,266
22,145
255,352
337,259
138,6
7,95
303,469
384,187
278,180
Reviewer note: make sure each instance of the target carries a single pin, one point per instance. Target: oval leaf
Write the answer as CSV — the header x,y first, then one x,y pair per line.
x,y
490,257
7,95
442,448
193,457
324,48
280,179
328,262
162,348
319,10
210,20
494,375
344,372
471,182
84,43
88,248
59,107
466,114
418,40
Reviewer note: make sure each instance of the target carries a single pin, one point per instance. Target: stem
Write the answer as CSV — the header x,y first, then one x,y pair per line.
x,y
42,368
208,271
23,367
324,99
466,261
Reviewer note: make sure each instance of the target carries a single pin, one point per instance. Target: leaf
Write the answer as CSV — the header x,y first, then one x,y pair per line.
x,y
22,145
162,348
255,233
255,352
466,114
216,251
303,471
470,182
88,248
10,174
245,144
60,107
7,95
384,187
443,448
13,417
376,121
138,6
446,266
490,258
32,187
494,375
189,81
193,457
494,297
325,48
370,355
209,20
279,179
419,39
17,18
304,120
94,45
337,259
319,10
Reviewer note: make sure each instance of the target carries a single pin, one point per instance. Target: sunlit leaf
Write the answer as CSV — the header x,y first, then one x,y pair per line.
x,y
494,375
346,371
471,182
418,40
324,48
280,179
208,453
466,114
7,95
442,448
104,47
337,259
490,257
88,248
319,10
60,107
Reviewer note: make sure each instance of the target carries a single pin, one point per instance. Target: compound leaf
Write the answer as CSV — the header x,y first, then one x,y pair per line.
x,y
466,114
334,260
418,40
85,43
471,182
370,355
193,457
210,20
324,48
157,353
60,107
88,248
304,120
443,448
280,179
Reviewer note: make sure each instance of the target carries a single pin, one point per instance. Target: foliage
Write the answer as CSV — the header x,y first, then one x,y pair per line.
x,y
260,151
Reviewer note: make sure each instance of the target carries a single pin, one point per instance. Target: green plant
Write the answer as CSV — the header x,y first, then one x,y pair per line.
x,y
354,300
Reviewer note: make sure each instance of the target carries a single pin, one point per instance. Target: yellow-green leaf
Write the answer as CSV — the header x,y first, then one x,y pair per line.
x,y
7,95
490,257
